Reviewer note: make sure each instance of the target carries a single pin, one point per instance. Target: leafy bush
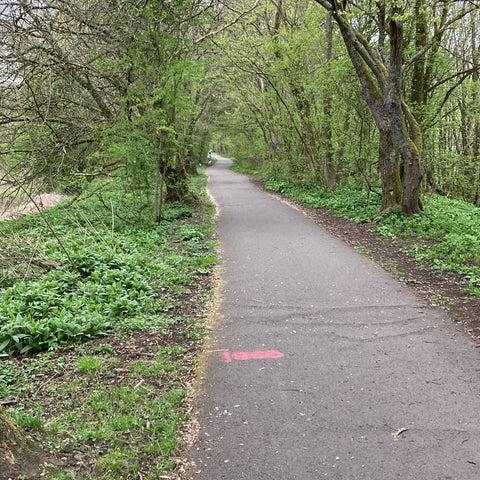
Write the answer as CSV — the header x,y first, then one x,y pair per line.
x,y
442,216
176,210
27,334
190,233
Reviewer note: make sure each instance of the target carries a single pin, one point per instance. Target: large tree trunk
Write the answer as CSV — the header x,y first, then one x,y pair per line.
x,y
19,454
382,89
374,91
176,181
409,146
412,179
390,172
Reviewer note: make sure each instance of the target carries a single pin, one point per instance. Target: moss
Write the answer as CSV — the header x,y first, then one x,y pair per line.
x,y
19,453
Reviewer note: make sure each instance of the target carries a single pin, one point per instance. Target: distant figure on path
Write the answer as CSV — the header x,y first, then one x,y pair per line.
x,y
209,158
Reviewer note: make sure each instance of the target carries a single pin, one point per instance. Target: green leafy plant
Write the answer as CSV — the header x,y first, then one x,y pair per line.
x,y
110,346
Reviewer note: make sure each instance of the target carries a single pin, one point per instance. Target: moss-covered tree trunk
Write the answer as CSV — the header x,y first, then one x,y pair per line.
x,y
390,172
408,144
374,83
177,182
19,453
381,78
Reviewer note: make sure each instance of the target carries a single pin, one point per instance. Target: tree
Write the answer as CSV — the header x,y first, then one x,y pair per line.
x,y
381,75
381,79
87,86
19,453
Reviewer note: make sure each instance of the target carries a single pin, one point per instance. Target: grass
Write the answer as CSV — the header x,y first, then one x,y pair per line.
x,y
108,337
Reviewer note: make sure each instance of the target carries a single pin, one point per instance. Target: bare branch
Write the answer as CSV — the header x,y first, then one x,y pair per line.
x,y
228,25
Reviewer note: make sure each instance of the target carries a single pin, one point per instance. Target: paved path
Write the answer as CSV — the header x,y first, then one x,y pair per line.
x,y
318,357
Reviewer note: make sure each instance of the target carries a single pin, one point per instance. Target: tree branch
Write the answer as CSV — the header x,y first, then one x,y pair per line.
x,y
228,25
39,262
438,32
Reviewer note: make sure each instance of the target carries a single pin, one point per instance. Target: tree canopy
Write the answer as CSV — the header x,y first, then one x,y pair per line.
x,y
370,101
381,94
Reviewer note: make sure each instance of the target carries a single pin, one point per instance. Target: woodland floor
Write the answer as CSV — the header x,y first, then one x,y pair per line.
x,y
438,288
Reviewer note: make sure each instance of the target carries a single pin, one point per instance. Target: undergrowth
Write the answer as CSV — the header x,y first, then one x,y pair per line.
x,y
99,333
107,273
452,228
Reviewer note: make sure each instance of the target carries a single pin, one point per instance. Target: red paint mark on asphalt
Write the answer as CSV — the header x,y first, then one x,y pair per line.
x,y
257,355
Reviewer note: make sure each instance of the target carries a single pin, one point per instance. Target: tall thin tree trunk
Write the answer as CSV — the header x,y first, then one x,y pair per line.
x,y
159,190
417,93
159,178
330,174
476,120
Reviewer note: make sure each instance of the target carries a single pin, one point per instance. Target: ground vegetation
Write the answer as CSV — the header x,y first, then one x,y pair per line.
x,y
98,348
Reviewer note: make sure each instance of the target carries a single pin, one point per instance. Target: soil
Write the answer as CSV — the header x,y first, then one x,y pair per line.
x,y
126,350
438,288
39,202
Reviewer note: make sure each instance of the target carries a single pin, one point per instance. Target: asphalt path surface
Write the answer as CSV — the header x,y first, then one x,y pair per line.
x,y
320,364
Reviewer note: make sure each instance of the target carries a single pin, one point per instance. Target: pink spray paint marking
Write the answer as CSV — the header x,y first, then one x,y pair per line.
x,y
256,355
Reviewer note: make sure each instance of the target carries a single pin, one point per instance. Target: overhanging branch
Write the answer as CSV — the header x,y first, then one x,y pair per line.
x,y
228,25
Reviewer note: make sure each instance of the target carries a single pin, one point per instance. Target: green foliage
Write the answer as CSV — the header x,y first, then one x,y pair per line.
x,y
16,380
112,277
62,476
24,334
345,202
176,211
118,401
451,228
24,419
68,306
